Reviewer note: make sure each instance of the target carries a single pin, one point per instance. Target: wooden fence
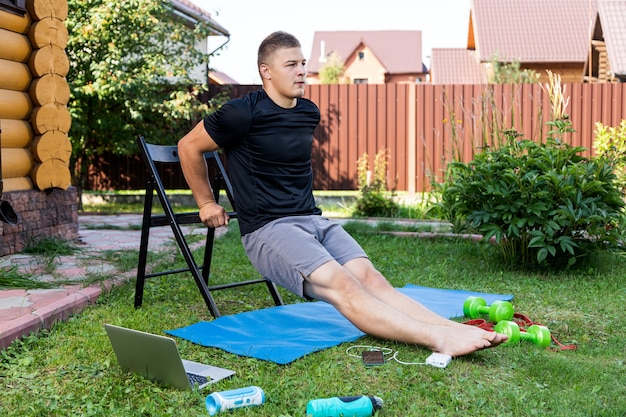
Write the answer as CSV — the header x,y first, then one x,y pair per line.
x,y
422,127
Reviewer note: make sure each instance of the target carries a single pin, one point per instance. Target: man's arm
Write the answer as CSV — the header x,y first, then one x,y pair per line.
x,y
191,149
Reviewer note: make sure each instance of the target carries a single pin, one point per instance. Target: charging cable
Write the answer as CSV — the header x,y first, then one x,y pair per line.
x,y
388,354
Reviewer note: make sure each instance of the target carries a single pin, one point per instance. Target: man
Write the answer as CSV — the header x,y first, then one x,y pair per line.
x,y
267,138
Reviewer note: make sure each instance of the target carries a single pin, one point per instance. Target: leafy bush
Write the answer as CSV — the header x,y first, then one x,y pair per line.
x,y
332,71
543,204
610,142
375,200
510,73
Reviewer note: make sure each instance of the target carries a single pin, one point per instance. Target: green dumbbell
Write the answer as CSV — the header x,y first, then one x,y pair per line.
x,y
539,335
473,307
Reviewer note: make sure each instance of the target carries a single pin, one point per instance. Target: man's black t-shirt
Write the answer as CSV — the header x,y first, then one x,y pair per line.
x,y
268,153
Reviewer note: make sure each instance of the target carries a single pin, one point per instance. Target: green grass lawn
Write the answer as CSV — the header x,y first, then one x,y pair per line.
x,y
332,203
71,370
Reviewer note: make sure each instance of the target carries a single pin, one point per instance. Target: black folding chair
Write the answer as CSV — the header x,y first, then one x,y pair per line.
x,y
156,158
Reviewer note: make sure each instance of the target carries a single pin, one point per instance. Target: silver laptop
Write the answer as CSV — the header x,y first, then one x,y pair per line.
x,y
157,358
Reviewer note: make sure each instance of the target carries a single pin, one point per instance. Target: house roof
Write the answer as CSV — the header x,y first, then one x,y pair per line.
x,y
532,30
456,66
221,78
190,11
612,14
399,51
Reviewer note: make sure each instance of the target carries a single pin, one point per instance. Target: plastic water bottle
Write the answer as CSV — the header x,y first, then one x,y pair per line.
x,y
235,398
353,406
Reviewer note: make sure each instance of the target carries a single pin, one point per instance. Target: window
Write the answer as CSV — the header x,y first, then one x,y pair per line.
x,y
360,81
17,7
361,55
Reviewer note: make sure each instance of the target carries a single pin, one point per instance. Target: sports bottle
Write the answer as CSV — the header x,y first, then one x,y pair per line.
x,y
235,398
352,406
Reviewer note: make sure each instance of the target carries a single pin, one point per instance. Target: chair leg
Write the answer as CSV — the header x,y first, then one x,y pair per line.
x,y
195,272
278,300
189,259
208,254
143,247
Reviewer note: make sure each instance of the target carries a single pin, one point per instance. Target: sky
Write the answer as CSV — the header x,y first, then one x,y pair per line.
x,y
443,23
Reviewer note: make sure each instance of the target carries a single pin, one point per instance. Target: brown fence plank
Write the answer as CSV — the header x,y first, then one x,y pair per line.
x,y
343,131
586,122
422,125
576,111
617,105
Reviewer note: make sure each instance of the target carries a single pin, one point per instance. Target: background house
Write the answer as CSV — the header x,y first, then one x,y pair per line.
x,y
580,40
370,57
220,78
456,66
189,14
607,61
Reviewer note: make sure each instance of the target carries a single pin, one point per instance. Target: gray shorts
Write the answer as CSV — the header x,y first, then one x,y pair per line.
x,y
291,248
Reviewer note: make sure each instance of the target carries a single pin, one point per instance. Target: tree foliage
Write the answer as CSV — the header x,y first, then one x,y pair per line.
x,y
332,70
130,63
375,199
610,142
544,204
510,73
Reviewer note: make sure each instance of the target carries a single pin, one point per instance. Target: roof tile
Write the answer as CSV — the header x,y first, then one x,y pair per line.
x,y
456,66
613,19
199,12
399,51
221,77
533,30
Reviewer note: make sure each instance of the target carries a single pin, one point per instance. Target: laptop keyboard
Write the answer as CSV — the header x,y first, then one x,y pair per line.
x,y
197,379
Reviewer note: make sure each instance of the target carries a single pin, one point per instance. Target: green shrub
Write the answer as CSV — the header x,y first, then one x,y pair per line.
x,y
375,200
510,73
375,204
543,204
610,142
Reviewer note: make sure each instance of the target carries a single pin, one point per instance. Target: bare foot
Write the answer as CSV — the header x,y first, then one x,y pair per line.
x,y
460,341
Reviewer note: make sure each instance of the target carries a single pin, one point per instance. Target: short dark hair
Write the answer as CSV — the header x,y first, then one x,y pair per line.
x,y
274,41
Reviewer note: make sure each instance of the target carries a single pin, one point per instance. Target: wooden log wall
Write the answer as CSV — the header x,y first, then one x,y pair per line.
x,y
34,124
34,93
15,105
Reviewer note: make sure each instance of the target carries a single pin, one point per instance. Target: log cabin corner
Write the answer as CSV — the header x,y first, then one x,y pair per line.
x,y
36,196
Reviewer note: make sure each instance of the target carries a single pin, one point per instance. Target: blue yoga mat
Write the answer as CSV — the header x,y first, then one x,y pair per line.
x,y
283,334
